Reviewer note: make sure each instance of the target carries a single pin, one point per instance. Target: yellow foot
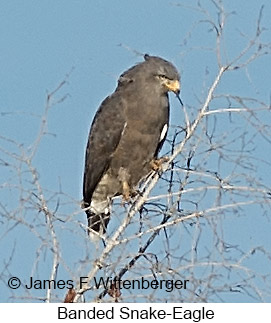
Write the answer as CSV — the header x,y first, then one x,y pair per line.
x,y
156,164
126,192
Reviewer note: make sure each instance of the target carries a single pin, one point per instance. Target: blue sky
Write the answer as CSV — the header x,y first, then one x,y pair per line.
x,y
90,43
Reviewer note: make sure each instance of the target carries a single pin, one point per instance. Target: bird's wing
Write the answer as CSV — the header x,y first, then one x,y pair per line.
x,y
105,134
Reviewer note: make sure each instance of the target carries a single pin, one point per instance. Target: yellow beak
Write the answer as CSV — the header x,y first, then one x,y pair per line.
x,y
173,86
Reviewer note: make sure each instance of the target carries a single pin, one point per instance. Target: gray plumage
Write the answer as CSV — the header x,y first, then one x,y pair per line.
x,y
126,135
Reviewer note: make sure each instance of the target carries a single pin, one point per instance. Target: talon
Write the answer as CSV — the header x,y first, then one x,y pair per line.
x,y
156,164
126,192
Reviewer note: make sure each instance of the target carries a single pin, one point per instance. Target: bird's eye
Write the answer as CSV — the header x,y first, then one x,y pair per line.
x,y
162,77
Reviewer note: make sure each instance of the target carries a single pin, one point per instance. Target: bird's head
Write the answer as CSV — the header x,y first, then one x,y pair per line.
x,y
164,72
154,74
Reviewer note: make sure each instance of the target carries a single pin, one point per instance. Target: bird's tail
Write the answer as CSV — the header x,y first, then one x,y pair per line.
x,y
98,216
97,224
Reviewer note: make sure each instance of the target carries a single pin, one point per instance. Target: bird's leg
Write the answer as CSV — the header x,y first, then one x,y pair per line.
x,y
156,164
126,192
123,177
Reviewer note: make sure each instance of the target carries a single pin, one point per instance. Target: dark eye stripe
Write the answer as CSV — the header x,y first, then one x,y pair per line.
x,y
162,76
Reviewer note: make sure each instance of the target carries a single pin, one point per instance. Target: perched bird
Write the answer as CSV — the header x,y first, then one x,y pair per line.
x,y
126,135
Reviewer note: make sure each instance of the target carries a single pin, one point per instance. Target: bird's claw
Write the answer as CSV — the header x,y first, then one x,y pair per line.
x,y
156,164
126,192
